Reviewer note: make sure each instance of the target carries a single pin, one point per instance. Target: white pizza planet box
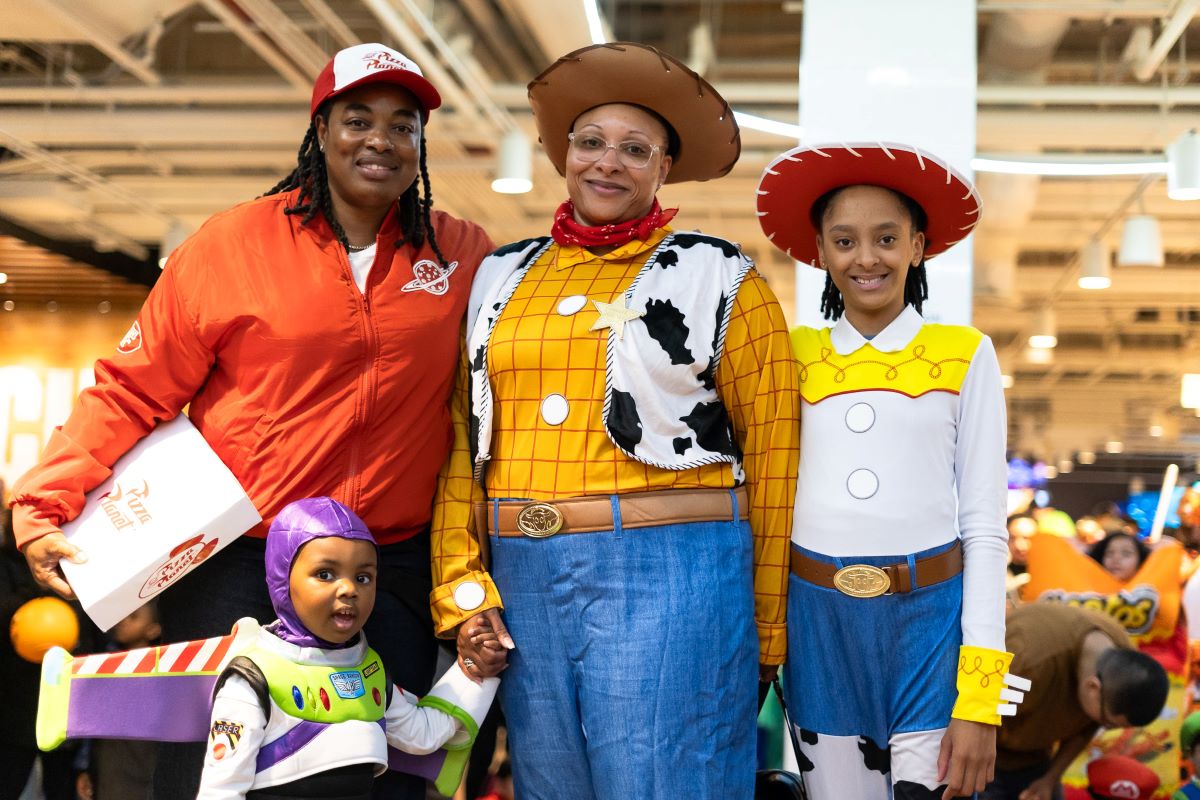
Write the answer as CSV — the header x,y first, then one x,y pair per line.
x,y
169,505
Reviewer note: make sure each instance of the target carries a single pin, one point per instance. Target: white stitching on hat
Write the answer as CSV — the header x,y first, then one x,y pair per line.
x,y
771,236
762,213
789,252
973,211
970,192
852,151
883,147
820,152
967,227
761,192
772,172
921,161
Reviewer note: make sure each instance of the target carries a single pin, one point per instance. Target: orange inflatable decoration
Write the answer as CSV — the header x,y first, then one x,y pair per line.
x,y
1146,605
40,624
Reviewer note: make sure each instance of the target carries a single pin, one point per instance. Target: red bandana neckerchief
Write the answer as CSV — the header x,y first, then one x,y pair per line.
x,y
567,231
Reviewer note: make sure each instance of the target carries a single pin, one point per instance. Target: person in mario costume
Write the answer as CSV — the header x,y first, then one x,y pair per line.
x,y
897,671
313,334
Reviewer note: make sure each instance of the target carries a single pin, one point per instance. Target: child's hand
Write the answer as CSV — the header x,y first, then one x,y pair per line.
x,y
482,649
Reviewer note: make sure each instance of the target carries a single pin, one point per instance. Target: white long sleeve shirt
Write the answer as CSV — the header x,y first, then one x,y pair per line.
x,y
900,451
239,730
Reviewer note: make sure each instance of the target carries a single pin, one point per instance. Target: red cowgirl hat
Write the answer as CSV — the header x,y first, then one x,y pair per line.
x,y
798,178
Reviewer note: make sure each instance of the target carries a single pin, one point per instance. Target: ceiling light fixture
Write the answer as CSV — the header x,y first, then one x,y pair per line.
x,y
3,278
1045,329
514,165
595,24
1068,168
176,233
1085,457
1189,391
1114,447
1094,262
1183,170
1141,242
757,123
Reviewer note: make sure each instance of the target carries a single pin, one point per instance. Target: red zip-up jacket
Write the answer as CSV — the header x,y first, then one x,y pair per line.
x,y
302,384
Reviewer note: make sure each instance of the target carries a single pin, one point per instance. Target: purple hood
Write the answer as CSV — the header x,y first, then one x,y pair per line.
x,y
297,525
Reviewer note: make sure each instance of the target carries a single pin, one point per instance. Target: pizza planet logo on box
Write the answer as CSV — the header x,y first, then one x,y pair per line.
x,y
131,342
183,559
126,507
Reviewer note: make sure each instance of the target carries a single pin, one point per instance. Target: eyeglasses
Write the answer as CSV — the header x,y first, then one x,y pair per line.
x,y
590,148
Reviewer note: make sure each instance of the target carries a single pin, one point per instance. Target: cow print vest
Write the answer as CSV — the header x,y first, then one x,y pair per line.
x,y
661,405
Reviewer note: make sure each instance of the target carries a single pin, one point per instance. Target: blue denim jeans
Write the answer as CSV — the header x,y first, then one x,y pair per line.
x,y
635,671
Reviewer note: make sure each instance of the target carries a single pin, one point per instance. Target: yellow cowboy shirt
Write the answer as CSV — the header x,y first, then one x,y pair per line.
x,y
542,345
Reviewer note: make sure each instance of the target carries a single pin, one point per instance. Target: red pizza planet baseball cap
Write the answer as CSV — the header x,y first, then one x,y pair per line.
x,y
365,64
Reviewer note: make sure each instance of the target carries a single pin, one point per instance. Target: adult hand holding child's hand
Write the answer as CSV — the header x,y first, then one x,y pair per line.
x,y
483,645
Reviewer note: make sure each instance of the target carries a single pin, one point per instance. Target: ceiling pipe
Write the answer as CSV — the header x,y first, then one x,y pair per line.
x,y
302,50
265,49
512,97
414,48
332,23
1172,29
480,93
100,35
84,177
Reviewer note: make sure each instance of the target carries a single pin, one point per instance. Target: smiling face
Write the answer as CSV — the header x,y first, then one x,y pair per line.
x,y
606,191
332,586
868,244
372,148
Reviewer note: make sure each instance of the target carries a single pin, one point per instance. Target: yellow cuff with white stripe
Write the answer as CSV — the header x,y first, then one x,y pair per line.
x,y
987,691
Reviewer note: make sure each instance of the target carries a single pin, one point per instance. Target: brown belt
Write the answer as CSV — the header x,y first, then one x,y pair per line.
x,y
863,580
591,514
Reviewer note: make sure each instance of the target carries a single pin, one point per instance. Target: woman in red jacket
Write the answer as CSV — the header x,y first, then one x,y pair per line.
x,y
315,334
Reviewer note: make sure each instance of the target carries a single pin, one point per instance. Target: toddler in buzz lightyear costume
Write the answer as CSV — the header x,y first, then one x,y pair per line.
x,y
308,710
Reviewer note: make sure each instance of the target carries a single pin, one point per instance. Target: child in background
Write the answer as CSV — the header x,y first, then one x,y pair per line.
x,y
312,680
123,769
1189,738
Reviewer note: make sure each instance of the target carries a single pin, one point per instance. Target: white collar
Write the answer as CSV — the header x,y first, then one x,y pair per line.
x,y
894,337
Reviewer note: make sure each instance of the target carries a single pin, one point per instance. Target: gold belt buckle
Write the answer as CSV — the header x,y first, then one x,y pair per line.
x,y
862,580
539,520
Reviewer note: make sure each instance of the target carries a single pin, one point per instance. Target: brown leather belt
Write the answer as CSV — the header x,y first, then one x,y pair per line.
x,y
864,580
590,514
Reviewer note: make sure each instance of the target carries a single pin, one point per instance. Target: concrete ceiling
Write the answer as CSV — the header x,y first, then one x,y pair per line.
x,y
122,118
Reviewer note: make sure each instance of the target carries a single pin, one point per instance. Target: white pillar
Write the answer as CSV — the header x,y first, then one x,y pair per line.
x,y
878,70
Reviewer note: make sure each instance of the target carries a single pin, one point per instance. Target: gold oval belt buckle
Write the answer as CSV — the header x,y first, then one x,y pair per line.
x,y
539,520
861,580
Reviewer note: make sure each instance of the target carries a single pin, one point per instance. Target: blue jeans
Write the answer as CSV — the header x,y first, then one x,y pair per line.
x,y
232,584
635,673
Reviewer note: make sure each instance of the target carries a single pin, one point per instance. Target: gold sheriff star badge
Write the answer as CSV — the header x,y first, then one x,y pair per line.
x,y
614,316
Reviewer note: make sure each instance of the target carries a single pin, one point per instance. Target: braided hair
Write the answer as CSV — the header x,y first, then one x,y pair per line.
x,y
916,285
310,176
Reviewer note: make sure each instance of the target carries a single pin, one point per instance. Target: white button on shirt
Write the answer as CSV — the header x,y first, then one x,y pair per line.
x,y
882,473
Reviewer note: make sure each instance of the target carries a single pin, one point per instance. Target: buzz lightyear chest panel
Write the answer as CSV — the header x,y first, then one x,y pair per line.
x,y
321,693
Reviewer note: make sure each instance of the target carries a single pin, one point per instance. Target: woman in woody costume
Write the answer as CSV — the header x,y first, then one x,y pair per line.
x,y
628,435
896,600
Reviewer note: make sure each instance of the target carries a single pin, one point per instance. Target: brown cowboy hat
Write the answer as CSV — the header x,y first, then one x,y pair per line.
x,y
627,72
